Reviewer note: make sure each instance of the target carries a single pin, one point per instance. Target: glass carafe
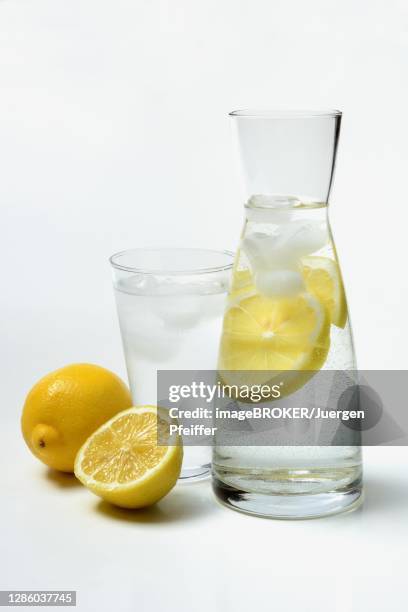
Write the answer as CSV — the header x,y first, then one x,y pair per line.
x,y
287,311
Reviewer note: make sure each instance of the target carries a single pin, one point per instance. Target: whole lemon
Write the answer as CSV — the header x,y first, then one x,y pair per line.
x,y
66,406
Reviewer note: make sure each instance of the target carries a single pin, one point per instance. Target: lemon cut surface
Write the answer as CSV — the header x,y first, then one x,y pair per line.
x,y
122,462
273,336
323,280
261,333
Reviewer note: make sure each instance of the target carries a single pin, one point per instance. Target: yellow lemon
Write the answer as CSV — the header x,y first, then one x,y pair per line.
x,y
65,407
271,335
123,463
323,280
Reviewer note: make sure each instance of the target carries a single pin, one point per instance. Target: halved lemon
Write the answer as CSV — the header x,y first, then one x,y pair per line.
x,y
263,337
123,463
323,280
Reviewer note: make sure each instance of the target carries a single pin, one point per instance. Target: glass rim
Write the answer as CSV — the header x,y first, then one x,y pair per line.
x,y
171,272
249,113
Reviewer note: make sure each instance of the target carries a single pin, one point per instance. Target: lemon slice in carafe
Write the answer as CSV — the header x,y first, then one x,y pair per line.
x,y
274,335
323,280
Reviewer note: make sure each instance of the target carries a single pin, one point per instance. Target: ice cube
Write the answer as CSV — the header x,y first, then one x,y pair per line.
x,y
261,200
265,253
179,311
300,238
146,337
285,245
259,248
279,283
263,208
138,284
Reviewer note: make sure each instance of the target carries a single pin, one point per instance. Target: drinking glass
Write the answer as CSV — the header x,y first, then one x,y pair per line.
x,y
170,304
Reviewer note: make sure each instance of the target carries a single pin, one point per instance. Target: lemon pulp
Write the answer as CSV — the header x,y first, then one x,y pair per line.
x,y
323,280
272,335
123,463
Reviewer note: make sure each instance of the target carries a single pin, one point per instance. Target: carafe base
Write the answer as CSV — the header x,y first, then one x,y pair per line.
x,y
293,506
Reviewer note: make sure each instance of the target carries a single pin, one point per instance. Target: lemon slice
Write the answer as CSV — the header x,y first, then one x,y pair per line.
x,y
122,462
242,285
271,335
323,280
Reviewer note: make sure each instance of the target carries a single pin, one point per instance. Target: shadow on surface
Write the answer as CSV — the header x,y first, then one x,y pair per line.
x,y
62,480
182,504
380,496
383,495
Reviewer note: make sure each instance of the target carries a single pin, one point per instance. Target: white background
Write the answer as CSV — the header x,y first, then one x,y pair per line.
x,y
113,134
